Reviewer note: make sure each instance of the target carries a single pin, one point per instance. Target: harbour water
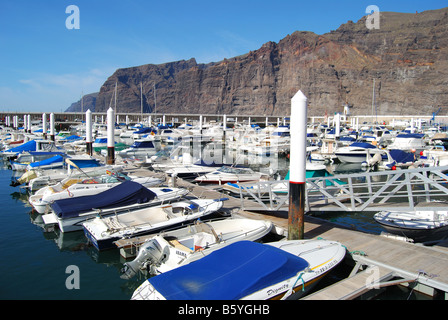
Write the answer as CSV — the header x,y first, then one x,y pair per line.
x,y
39,265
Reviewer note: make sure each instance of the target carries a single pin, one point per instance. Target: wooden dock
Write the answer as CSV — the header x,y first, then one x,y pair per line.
x,y
385,258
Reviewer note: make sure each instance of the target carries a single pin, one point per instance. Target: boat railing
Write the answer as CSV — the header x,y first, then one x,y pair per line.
x,y
400,190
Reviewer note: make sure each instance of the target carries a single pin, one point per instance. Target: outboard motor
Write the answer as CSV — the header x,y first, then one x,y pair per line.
x,y
152,252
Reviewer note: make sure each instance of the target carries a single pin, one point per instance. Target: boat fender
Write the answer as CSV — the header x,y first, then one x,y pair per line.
x,y
152,252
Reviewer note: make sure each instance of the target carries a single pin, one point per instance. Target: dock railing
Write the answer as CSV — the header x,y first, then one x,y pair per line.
x,y
400,190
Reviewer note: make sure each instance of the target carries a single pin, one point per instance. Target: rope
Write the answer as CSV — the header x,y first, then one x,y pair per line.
x,y
291,290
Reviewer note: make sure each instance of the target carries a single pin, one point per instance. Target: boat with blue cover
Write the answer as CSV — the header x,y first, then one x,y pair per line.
x,y
71,213
77,187
358,152
141,148
31,145
248,271
26,158
54,162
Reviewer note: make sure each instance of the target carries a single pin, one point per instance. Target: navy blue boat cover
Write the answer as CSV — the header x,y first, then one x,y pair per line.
x,y
363,145
230,273
125,193
401,156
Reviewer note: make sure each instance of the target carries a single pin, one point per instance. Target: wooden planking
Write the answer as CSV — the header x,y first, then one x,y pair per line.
x,y
349,288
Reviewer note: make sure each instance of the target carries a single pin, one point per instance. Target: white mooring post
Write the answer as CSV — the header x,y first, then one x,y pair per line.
x,y
110,136
89,147
297,168
52,136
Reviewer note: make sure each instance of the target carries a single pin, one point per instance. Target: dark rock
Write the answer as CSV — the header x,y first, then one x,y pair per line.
x,y
407,57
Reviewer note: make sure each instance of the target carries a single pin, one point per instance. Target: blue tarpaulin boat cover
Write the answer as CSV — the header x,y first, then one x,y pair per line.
x,y
232,272
143,130
126,193
71,138
85,163
400,157
364,145
47,162
142,144
27,146
411,135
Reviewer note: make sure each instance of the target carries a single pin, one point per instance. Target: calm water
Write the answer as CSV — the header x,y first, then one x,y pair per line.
x,y
34,263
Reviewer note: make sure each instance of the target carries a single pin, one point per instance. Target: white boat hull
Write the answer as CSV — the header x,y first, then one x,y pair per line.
x,y
321,255
189,244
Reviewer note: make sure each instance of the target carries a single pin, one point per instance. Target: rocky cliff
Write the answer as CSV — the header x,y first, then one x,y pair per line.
x,y
405,61
88,102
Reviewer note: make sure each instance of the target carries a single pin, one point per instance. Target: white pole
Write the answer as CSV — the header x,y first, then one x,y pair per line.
x,y
28,119
89,148
110,136
297,169
44,125
52,137
338,125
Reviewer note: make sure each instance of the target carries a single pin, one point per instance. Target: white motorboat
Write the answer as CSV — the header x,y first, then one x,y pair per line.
x,y
436,156
419,225
230,174
28,157
103,231
140,148
189,170
31,145
358,152
173,249
54,162
69,214
247,270
76,187
409,142
37,179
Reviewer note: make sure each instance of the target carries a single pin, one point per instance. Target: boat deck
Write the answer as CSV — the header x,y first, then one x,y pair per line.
x,y
389,257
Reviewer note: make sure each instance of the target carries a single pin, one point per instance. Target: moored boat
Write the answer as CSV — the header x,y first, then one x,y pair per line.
x,y
419,225
358,152
248,271
230,174
70,214
172,249
76,187
103,231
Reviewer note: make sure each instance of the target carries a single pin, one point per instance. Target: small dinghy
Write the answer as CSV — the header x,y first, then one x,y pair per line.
x,y
102,232
173,249
419,225
249,271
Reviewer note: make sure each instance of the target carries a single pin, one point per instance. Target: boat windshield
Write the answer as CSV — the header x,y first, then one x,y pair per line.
x,y
235,170
207,228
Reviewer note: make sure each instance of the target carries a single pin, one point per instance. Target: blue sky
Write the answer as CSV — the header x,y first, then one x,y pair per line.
x,y
44,66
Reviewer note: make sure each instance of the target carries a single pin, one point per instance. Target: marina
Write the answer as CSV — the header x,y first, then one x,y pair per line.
x,y
375,259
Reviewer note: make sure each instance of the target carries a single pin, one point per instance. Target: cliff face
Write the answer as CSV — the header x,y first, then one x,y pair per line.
x,y
406,59
88,102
